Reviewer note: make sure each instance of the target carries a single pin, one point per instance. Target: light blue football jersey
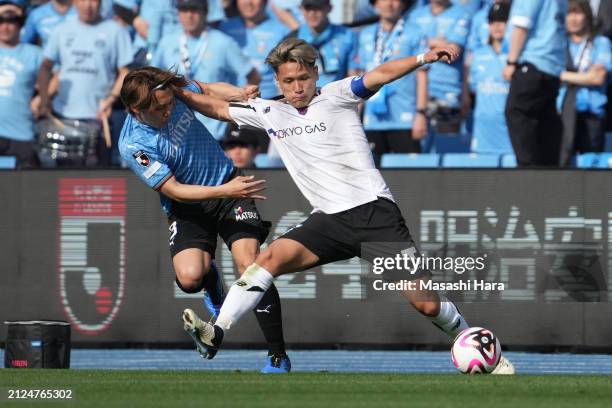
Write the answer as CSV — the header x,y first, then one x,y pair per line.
x,y
183,148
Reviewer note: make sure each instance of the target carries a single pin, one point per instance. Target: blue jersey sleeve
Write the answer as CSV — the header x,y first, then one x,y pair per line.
x,y
145,162
524,13
601,52
195,87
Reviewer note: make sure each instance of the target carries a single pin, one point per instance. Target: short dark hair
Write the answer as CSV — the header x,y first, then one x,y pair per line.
x,y
139,86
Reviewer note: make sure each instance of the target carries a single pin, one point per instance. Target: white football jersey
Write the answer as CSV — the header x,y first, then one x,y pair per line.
x,y
323,146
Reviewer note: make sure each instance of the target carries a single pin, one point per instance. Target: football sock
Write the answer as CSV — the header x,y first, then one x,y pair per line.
x,y
268,314
449,320
244,295
210,281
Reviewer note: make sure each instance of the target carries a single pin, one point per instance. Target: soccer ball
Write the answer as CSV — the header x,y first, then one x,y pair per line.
x,y
476,351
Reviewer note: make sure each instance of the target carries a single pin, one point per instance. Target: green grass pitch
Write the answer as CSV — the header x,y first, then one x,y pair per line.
x,y
138,388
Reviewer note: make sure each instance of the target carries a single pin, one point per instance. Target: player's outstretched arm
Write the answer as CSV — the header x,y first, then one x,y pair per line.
x,y
392,70
228,92
207,105
238,187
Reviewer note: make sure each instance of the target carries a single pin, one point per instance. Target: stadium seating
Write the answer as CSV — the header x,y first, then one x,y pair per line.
x,y
595,161
410,160
264,161
8,162
466,160
508,161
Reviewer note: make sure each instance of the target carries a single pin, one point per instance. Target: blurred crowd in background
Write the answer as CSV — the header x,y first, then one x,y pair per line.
x,y
532,80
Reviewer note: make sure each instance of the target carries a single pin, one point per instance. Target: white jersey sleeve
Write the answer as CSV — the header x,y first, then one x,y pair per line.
x,y
347,91
245,113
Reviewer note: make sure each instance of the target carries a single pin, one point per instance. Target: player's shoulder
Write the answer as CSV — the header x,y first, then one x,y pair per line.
x,y
337,87
135,136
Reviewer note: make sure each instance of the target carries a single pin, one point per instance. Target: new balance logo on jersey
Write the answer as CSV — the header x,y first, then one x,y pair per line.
x,y
298,130
242,215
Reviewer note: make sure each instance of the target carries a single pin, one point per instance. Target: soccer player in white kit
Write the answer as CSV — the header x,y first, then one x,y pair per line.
x,y
320,138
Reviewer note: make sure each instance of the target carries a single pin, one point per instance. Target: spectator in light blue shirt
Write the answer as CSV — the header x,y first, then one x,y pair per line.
x,y
18,68
43,20
490,134
394,118
479,29
536,58
204,54
582,100
336,45
93,55
257,33
444,24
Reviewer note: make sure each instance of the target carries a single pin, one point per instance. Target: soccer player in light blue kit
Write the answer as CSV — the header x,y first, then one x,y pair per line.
x,y
19,65
394,118
202,193
257,33
490,134
536,57
336,45
43,20
202,53
444,24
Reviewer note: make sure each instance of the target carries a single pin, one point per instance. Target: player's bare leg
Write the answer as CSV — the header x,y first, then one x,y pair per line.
x,y
190,266
442,312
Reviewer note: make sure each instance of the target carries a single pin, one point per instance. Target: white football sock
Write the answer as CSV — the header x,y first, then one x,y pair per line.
x,y
449,320
244,295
